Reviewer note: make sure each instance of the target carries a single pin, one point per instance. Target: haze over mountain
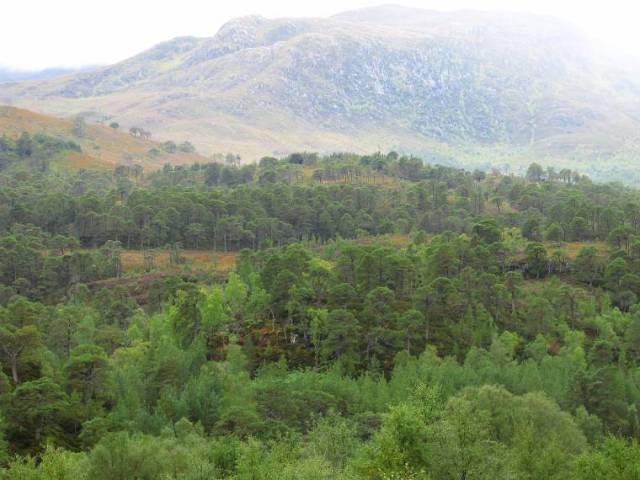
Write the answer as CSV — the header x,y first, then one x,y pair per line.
x,y
11,75
466,86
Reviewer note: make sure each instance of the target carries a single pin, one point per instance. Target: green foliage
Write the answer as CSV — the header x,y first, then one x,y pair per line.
x,y
471,351
32,151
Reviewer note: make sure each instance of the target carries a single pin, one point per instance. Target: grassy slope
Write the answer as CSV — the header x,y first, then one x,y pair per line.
x,y
102,146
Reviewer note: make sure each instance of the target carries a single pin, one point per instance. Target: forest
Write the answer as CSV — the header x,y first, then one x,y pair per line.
x,y
384,319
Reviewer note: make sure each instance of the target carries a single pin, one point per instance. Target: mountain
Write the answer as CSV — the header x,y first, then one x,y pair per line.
x,y
458,87
102,146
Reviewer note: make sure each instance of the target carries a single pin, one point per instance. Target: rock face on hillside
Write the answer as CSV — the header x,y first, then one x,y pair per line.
x,y
374,78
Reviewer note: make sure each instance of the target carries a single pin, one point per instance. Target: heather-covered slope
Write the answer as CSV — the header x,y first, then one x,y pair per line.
x,y
100,146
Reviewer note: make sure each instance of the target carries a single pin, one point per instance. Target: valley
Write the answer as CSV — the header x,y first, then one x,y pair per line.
x,y
387,244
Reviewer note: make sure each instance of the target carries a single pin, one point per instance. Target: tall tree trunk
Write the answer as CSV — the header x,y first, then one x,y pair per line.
x,y
14,369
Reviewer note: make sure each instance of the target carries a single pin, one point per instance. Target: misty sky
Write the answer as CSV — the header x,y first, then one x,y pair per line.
x,y
45,33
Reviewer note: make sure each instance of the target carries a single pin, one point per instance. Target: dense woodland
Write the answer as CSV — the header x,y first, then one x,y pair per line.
x,y
499,340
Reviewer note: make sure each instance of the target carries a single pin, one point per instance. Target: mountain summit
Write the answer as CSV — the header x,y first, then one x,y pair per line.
x,y
383,77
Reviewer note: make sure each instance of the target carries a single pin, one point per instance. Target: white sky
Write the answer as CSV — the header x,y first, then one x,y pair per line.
x,y
44,33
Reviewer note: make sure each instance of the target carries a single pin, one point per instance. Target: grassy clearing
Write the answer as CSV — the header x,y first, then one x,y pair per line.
x,y
203,260
390,240
571,249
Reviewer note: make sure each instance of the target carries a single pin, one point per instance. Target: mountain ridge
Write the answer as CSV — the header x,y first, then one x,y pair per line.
x,y
383,77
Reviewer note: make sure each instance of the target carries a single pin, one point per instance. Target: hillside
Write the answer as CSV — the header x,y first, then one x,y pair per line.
x,y
462,87
237,322
102,146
